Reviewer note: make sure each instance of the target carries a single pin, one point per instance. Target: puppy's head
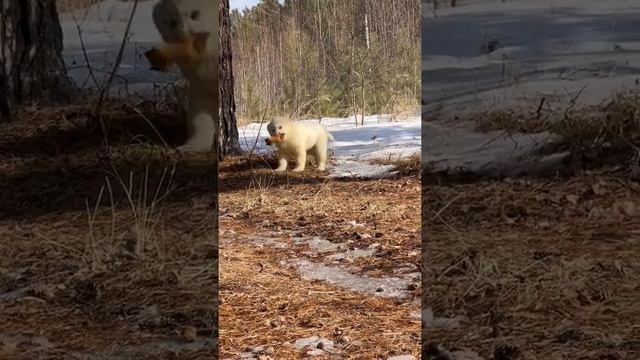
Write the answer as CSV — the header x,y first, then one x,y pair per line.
x,y
278,127
176,19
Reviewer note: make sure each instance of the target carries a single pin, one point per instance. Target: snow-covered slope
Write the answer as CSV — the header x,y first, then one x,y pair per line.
x,y
557,49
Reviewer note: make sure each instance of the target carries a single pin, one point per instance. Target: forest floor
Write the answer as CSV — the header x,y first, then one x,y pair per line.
x,y
316,266
541,268
109,251
107,247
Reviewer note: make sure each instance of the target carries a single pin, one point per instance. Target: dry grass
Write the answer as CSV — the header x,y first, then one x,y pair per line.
x,y
537,268
406,166
108,249
612,128
266,303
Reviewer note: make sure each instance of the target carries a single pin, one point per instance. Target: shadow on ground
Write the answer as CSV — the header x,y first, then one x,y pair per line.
x,y
58,159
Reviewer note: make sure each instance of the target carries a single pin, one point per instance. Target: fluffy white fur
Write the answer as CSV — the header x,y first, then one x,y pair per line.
x,y
174,19
299,140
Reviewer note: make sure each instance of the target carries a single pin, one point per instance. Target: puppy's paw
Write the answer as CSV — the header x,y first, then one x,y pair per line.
x,y
281,169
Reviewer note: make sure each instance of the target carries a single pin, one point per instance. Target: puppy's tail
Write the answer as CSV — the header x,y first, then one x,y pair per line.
x,y
331,138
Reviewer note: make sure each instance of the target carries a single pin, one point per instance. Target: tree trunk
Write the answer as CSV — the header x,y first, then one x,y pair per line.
x,y
31,65
229,142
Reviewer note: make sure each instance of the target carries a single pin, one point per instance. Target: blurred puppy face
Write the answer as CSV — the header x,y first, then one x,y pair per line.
x,y
276,127
177,18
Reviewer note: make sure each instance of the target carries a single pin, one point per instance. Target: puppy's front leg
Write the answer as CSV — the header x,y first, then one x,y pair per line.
x,y
200,119
301,161
282,162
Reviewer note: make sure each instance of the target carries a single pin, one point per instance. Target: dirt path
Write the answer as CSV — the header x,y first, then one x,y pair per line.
x,y
308,259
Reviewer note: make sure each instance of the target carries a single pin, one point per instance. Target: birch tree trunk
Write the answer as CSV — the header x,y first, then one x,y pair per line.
x,y
229,142
31,65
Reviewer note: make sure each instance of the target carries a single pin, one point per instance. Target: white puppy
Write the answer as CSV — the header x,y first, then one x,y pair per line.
x,y
175,20
295,140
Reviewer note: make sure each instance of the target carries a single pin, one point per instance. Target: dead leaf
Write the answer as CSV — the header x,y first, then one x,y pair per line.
x,y
573,199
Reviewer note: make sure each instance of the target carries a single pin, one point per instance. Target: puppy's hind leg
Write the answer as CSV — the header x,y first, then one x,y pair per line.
x,y
320,154
201,134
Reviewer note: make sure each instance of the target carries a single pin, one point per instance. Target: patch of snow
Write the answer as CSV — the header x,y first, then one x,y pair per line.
x,y
354,146
454,149
388,287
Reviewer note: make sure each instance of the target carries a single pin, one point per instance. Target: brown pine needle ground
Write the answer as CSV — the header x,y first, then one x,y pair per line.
x,y
94,268
264,303
542,268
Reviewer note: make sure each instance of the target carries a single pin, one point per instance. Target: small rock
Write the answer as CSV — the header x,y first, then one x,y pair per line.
x,y
627,208
573,199
316,343
274,323
190,334
302,343
355,224
506,352
151,314
431,321
315,352
570,335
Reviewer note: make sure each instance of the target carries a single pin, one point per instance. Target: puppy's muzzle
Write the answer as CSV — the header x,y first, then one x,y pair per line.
x,y
274,139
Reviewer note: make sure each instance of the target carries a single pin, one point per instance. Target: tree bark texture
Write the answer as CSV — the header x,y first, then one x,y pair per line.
x,y
229,141
31,66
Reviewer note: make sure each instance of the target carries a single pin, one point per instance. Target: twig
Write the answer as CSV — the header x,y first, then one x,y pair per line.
x,y
540,108
118,60
151,125
84,51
